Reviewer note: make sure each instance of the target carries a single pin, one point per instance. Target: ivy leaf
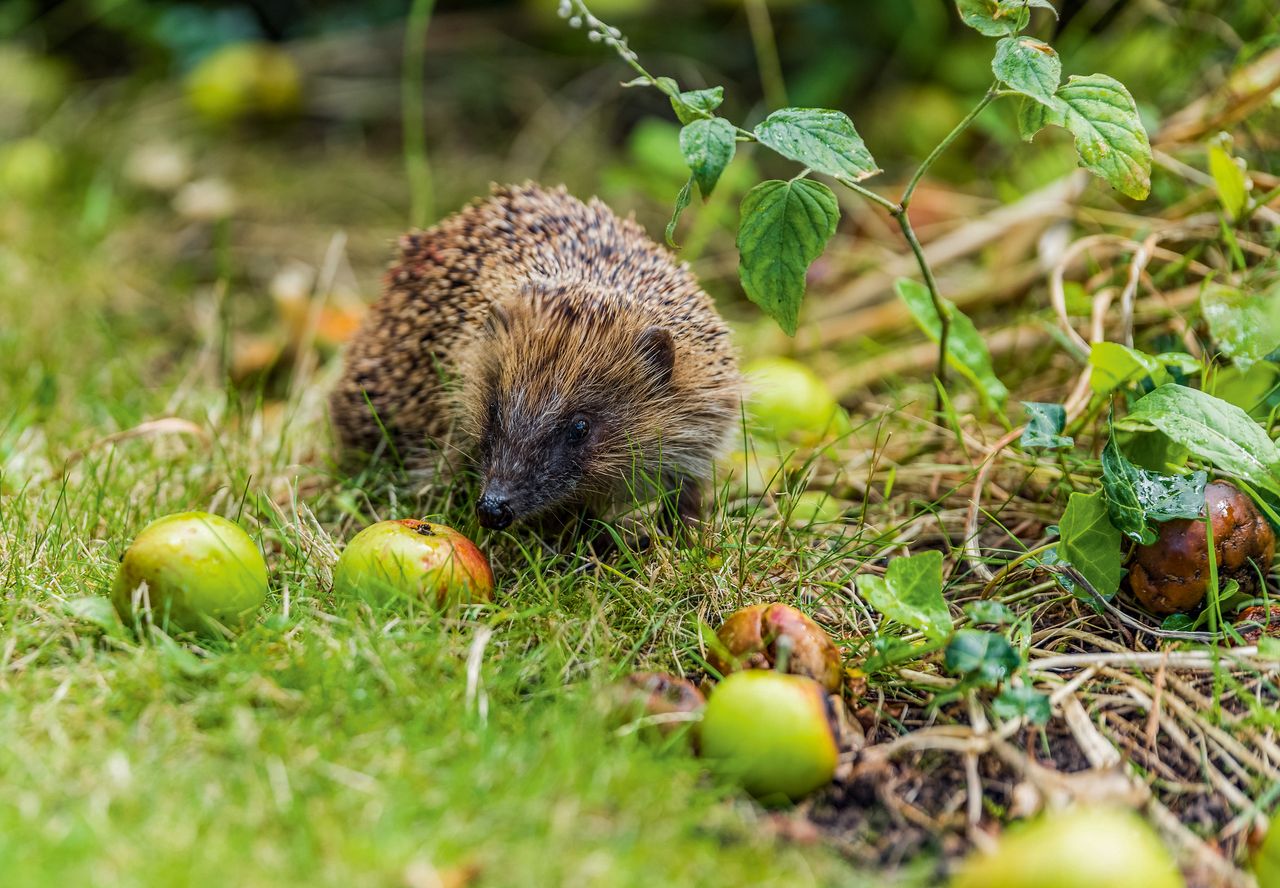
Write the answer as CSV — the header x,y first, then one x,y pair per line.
x,y
1091,543
995,18
1222,434
1028,66
696,104
784,226
1246,326
1109,136
966,351
983,657
1045,423
824,141
987,611
911,593
1021,701
682,203
1137,496
708,146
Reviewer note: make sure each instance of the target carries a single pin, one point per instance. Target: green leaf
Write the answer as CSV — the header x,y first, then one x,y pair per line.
x,y
1091,543
708,147
696,104
980,656
911,593
682,203
1045,423
1115,365
1228,176
784,227
94,609
1109,136
1021,701
824,141
1220,433
1246,326
995,18
966,351
1136,496
1028,66
987,611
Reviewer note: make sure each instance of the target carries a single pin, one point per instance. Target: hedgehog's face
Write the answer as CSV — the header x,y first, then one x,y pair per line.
x,y
558,407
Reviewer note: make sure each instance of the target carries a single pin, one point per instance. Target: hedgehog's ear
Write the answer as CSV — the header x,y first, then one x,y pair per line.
x,y
498,321
658,351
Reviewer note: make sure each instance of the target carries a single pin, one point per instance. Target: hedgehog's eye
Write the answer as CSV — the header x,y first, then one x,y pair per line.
x,y
576,433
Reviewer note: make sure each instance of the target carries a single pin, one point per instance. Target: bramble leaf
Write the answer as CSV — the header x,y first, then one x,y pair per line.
x,y
966,350
695,104
1103,119
708,146
1246,326
824,141
1091,543
784,226
911,593
682,203
1219,433
1045,423
995,18
1028,66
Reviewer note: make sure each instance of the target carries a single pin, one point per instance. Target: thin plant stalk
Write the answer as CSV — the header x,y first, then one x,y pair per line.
x,y
413,110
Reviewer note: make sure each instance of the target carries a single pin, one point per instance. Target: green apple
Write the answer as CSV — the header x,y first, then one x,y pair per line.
x,y
192,572
771,732
787,399
1266,861
415,560
245,80
1085,847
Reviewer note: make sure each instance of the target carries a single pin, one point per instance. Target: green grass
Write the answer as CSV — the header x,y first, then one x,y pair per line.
x,y
328,744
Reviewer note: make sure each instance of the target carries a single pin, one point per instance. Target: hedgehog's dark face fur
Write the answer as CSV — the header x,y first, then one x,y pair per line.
x,y
564,399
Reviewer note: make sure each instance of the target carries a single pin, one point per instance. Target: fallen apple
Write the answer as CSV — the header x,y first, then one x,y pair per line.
x,y
756,636
787,399
1266,859
191,572
773,733
413,560
1084,847
245,80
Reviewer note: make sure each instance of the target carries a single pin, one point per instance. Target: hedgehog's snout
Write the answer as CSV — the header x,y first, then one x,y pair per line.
x,y
494,508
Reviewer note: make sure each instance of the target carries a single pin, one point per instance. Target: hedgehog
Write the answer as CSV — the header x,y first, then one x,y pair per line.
x,y
571,359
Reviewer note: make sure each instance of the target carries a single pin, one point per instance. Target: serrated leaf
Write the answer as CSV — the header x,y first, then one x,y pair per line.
x,y
966,350
1028,66
1246,326
1023,701
1222,434
1043,431
708,146
910,592
784,226
1109,136
995,18
682,203
824,141
980,656
1091,543
695,104
1228,177
1136,497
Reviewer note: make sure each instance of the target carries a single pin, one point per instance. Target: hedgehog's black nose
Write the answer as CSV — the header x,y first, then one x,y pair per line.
x,y
494,511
